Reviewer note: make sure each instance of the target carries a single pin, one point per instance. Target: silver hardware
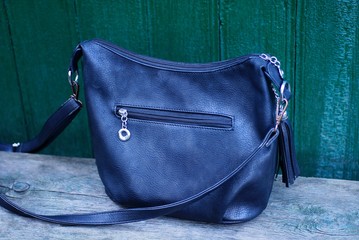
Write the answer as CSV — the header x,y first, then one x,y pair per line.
x,y
75,80
284,85
281,101
124,134
281,112
16,145
282,104
279,97
274,61
74,83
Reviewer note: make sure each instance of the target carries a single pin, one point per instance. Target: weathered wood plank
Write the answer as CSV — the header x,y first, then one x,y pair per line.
x,y
313,208
327,83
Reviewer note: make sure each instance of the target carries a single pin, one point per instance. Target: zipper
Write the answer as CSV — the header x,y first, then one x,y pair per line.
x,y
170,65
169,116
124,134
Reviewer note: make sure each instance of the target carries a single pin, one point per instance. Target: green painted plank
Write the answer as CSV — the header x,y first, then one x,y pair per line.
x,y
327,66
12,127
260,26
43,36
158,28
121,22
184,30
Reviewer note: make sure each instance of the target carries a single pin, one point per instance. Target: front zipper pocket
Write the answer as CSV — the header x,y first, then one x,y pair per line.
x,y
170,116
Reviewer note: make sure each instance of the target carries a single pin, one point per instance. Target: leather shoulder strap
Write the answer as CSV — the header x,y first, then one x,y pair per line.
x,y
134,214
53,127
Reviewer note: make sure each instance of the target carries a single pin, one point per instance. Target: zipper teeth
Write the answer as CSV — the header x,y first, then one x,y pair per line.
x,y
170,65
179,120
177,117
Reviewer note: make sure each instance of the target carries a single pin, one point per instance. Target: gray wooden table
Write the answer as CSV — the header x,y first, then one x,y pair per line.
x,y
312,208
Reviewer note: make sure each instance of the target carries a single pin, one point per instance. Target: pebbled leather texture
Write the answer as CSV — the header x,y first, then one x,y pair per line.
x,y
164,162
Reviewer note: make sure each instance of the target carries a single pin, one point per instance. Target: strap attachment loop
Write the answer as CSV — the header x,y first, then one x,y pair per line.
x,y
74,83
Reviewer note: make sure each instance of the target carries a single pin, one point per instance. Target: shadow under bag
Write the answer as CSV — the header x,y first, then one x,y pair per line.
x,y
193,141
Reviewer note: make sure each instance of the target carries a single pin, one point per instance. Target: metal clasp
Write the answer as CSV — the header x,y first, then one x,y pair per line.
x,y
74,83
281,112
282,105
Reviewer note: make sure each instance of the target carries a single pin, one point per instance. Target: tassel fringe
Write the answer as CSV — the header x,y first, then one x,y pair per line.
x,y
287,160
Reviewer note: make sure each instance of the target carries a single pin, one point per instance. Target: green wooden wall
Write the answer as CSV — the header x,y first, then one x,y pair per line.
x,y
316,41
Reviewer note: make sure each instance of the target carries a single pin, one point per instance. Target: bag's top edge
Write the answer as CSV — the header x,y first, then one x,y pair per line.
x,y
167,64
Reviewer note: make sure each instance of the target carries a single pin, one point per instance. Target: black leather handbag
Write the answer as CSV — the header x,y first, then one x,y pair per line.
x,y
193,141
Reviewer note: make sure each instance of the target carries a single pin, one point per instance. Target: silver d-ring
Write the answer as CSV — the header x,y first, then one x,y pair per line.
x,y
124,134
75,80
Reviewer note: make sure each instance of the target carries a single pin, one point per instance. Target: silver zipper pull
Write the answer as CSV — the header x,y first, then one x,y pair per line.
x,y
274,61
124,134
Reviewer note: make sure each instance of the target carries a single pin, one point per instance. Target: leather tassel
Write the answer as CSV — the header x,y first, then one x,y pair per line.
x,y
287,160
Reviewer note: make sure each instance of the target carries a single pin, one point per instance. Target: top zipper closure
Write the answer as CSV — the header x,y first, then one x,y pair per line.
x,y
170,65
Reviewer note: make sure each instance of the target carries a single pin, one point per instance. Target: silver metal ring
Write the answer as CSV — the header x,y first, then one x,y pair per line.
x,y
124,134
70,77
274,60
